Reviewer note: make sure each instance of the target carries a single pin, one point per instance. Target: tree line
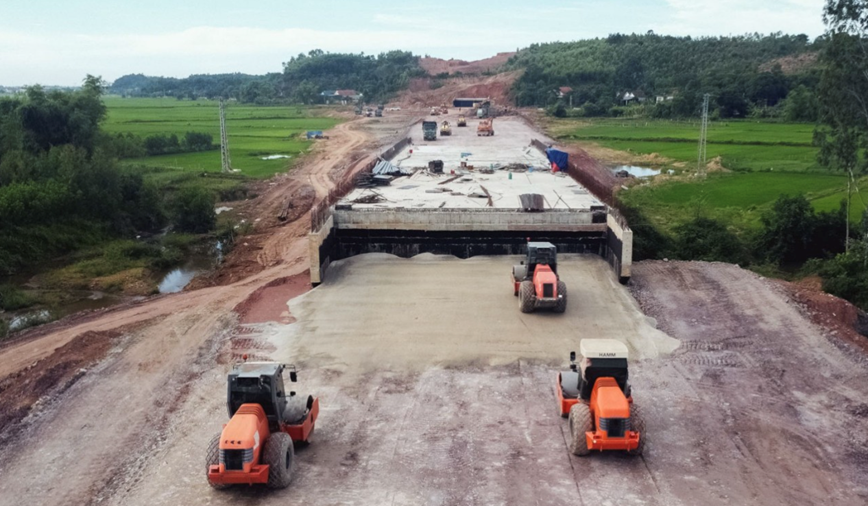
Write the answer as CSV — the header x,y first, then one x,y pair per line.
x,y
742,74
301,81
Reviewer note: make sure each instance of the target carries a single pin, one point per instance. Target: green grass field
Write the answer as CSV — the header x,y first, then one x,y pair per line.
x,y
767,159
254,131
742,145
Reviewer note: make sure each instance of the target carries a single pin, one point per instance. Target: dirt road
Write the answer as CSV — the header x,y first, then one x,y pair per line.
x,y
759,406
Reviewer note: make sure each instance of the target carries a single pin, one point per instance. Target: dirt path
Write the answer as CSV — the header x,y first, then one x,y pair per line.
x,y
759,405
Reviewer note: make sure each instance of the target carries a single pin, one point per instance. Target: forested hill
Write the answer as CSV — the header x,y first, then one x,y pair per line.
x,y
739,72
303,78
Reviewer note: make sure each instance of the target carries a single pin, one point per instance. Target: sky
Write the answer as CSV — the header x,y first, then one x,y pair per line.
x,y
59,43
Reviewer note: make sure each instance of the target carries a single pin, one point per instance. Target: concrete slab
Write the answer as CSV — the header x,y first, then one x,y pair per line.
x,y
511,145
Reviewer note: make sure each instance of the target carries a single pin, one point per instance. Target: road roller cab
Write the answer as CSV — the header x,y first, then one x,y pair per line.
x,y
256,445
595,394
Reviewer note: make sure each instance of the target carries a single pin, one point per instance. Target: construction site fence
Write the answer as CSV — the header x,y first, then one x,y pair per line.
x,y
321,212
589,173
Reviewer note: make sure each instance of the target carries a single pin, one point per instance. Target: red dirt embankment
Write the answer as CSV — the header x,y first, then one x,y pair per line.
x,y
436,66
421,95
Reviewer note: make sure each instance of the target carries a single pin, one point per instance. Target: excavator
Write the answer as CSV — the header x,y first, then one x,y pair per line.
x,y
256,445
597,398
535,281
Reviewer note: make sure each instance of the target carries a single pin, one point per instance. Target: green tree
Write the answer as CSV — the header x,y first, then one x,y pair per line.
x,y
843,90
787,230
801,105
709,240
193,210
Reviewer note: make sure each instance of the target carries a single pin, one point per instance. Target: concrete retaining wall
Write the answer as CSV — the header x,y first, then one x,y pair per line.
x,y
457,220
620,247
321,245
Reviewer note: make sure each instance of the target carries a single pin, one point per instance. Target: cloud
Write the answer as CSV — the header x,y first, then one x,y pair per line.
x,y
41,54
736,17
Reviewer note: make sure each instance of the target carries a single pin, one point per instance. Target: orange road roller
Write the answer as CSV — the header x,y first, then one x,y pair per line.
x,y
595,395
256,446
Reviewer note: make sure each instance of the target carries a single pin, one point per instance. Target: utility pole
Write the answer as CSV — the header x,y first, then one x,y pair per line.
x,y
224,141
703,140
847,217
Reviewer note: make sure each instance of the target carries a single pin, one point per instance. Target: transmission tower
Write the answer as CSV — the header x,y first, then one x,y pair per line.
x,y
703,139
224,141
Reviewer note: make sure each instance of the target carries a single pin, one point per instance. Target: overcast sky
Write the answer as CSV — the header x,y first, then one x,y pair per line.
x,y
52,42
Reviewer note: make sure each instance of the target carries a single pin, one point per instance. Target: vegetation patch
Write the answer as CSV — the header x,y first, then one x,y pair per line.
x,y
255,132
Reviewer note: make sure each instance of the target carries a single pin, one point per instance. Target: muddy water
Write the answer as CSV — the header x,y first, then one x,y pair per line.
x,y
177,279
637,171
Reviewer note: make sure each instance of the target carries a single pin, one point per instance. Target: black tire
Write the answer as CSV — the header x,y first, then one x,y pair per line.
x,y
526,297
562,301
279,454
581,422
637,423
212,458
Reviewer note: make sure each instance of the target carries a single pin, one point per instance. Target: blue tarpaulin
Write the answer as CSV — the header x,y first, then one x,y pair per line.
x,y
314,134
558,158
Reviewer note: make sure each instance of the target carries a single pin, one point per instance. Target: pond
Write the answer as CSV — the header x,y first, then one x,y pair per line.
x,y
177,279
637,171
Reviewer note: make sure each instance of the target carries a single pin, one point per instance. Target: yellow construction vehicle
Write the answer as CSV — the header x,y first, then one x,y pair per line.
x,y
485,128
445,129
461,121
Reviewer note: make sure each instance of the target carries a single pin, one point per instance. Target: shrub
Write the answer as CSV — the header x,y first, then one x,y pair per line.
x,y
193,211
11,298
648,242
709,240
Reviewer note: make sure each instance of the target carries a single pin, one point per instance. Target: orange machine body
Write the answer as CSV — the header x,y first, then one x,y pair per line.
x,y
607,401
542,275
248,431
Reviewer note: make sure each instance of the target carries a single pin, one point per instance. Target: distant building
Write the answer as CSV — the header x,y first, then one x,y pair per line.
x,y
629,97
340,96
564,91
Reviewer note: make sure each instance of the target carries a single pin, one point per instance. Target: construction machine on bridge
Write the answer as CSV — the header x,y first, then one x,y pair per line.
x,y
429,130
445,129
536,282
462,121
596,396
256,446
485,128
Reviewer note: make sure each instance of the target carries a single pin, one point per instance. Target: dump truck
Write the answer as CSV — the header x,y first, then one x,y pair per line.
x,y
256,445
596,396
429,130
445,129
462,121
536,282
485,128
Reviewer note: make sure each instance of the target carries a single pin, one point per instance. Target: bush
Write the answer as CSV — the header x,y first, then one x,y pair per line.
x,y
193,211
846,275
709,240
11,298
648,242
792,232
